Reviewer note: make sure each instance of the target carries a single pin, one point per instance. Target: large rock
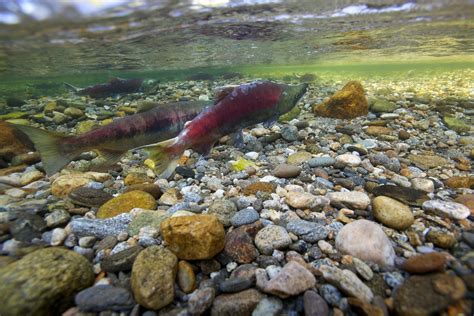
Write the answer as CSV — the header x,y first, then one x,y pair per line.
x,y
392,213
153,276
194,237
428,295
292,280
367,241
347,103
43,281
425,263
124,203
237,304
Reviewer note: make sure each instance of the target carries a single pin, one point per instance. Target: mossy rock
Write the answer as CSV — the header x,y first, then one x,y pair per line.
x,y
14,115
456,124
144,219
43,282
125,203
382,106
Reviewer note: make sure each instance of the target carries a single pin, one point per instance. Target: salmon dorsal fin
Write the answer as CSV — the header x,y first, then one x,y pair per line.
x,y
222,93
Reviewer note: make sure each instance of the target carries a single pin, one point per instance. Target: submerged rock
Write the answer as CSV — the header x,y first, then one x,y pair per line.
x,y
43,281
125,203
347,103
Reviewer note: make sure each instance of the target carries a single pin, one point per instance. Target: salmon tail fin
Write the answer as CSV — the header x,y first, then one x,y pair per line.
x,y
71,87
53,156
162,157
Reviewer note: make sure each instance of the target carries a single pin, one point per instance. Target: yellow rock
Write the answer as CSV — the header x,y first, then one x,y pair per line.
x,y
347,103
66,183
126,202
136,178
299,157
195,237
242,163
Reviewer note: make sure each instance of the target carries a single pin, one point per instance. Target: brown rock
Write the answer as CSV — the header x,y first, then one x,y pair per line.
x,y
460,182
151,188
193,237
425,263
239,244
378,130
63,185
403,135
364,308
125,203
253,188
136,178
292,280
12,142
186,277
347,103
314,304
237,304
467,200
441,238
286,171
427,161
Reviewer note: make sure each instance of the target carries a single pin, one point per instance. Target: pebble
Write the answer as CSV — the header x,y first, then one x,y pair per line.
x,y
292,280
308,231
63,185
193,237
104,298
58,236
367,241
120,261
425,263
152,219
235,284
57,218
392,213
170,197
89,197
27,226
363,269
153,276
347,282
224,210
305,200
241,303
186,277
441,238
447,209
354,199
289,133
299,158
269,306
244,217
100,228
314,304
423,184
239,245
349,160
286,171
324,161
272,237
201,300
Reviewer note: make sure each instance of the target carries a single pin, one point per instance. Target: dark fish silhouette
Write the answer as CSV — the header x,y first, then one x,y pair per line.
x,y
113,140
113,87
244,106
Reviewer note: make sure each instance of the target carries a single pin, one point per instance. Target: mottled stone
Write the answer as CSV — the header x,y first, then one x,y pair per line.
x,y
306,200
447,209
298,158
314,304
355,199
292,280
253,188
272,237
146,219
269,306
239,245
193,237
186,277
224,210
100,228
441,238
120,261
367,241
201,300
43,281
427,161
63,185
153,276
125,202
151,188
460,182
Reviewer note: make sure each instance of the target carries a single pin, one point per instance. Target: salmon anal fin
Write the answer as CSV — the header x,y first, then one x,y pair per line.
x,y
111,156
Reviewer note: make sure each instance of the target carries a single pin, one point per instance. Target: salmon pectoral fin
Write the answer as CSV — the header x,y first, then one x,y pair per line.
x,y
49,144
161,158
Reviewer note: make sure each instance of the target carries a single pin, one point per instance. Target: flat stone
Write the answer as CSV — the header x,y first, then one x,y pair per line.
x,y
253,188
321,162
447,209
153,276
460,182
306,200
42,281
27,226
308,231
272,237
378,131
292,280
104,298
235,284
425,263
347,282
100,228
392,213
427,161
170,197
441,238
422,184
418,295
286,171
298,157
151,188
237,304
89,197
467,200
57,218
367,241
405,195
193,237
63,185
353,199
125,202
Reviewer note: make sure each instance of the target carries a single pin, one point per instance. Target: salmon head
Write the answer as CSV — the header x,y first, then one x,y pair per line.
x,y
290,96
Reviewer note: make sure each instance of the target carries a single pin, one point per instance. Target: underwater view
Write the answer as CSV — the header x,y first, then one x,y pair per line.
x,y
236,157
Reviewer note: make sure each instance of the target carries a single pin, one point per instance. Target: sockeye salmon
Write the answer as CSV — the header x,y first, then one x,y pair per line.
x,y
113,87
113,140
244,106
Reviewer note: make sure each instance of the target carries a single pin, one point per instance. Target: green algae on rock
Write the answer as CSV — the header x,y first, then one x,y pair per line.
x,y
125,203
43,281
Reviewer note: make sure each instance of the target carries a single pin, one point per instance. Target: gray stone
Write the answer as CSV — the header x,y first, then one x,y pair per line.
x,y
120,261
308,231
224,210
348,282
27,226
272,237
201,300
286,171
289,133
146,219
321,162
353,199
244,217
104,298
314,305
235,285
101,228
238,304
269,306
